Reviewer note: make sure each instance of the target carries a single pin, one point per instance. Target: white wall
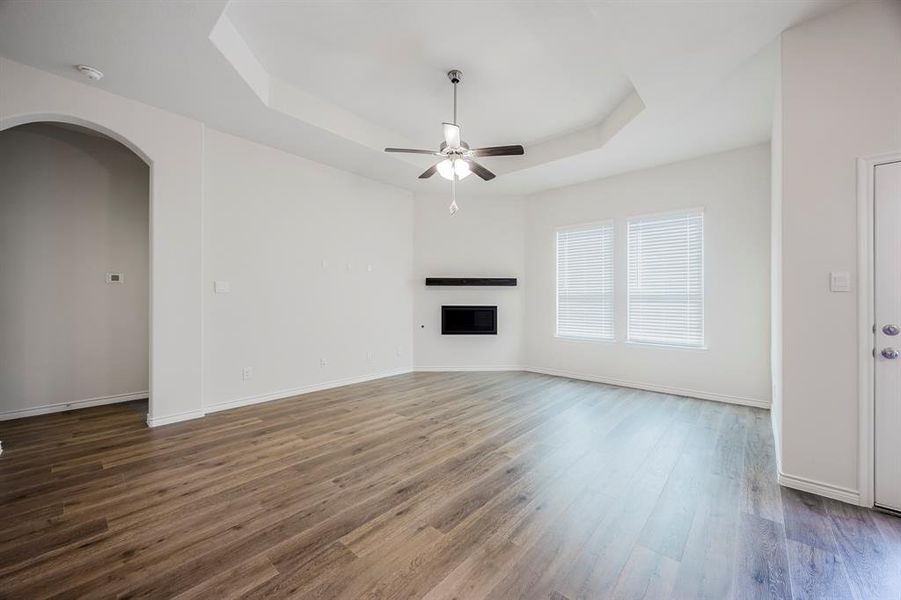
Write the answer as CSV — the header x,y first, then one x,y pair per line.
x,y
734,190
271,218
484,239
173,145
841,99
73,206
319,262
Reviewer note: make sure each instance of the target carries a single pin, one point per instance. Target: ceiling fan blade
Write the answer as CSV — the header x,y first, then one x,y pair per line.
x,y
410,150
480,170
451,135
429,172
499,151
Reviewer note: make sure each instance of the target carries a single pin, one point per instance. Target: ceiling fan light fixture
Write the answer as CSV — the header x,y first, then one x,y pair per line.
x,y
446,169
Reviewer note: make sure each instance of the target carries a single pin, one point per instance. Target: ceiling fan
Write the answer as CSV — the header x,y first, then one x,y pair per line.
x,y
458,159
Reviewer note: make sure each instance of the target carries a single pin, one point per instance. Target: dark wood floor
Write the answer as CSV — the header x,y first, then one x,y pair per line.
x,y
467,485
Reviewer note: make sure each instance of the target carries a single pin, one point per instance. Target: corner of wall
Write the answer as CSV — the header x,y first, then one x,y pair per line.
x,y
176,418
776,263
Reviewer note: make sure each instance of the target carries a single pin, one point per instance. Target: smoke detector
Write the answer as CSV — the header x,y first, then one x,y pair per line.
x,y
90,72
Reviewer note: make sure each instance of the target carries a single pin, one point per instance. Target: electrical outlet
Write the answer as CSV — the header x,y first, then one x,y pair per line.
x,y
247,373
399,351
369,356
323,363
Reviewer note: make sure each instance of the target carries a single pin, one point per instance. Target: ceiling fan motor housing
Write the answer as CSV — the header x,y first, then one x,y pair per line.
x,y
463,145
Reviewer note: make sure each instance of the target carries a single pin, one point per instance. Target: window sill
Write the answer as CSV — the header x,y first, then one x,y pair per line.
x,y
590,340
667,346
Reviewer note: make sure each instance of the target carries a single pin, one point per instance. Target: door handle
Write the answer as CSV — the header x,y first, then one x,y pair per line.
x,y
890,330
889,353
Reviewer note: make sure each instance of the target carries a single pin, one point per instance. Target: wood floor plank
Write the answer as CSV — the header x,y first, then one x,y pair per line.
x,y
708,560
807,520
542,498
760,491
761,569
427,485
872,567
236,582
646,575
51,542
816,574
668,527
596,570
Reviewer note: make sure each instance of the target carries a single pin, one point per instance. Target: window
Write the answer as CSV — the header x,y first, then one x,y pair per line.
x,y
585,282
666,279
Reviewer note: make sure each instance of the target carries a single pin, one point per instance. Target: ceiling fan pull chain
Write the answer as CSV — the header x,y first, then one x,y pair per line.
x,y
453,208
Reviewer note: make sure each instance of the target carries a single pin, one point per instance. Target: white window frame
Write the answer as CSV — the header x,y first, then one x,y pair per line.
x,y
663,344
576,228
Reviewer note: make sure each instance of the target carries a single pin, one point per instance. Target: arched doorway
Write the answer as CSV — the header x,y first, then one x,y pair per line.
x,y
75,234
172,146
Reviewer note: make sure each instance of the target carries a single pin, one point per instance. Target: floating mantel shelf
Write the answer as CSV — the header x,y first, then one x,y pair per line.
x,y
473,281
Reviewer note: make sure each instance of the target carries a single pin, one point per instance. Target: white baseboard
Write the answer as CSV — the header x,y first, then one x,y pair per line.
x,y
63,406
446,369
828,490
176,418
650,387
316,387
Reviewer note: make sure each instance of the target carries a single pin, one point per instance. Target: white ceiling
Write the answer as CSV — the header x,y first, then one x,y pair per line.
x,y
590,89
386,62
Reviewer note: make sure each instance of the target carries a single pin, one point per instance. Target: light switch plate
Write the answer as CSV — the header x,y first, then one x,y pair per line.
x,y
840,281
222,287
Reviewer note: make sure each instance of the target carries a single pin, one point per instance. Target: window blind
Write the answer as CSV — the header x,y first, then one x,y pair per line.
x,y
585,282
666,279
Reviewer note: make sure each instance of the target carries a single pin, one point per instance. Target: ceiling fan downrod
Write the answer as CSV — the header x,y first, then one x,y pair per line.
x,y
455,75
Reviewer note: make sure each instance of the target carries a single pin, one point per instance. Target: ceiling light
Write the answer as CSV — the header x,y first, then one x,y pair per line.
x,y
90,72
446,169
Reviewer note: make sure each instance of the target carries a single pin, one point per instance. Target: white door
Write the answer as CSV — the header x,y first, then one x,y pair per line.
x,y
887,184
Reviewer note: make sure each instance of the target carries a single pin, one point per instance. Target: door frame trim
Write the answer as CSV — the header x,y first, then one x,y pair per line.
x,y
866,338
